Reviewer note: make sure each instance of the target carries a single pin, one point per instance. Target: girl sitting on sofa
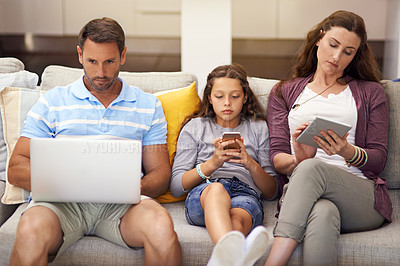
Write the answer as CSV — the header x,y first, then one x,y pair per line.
x,y
225,185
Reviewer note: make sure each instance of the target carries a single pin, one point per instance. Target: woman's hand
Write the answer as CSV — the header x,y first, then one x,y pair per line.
x,y
334,144
302,151
241,156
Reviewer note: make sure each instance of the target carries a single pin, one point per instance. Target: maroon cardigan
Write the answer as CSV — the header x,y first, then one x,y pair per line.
x,y
371,131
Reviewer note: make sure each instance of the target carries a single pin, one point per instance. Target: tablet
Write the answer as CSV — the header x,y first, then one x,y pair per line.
x,y
319,123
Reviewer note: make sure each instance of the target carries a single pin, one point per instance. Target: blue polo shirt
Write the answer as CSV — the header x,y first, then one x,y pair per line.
x,y
72,111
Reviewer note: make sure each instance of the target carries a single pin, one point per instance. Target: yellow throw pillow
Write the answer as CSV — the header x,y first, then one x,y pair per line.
x,y
177,105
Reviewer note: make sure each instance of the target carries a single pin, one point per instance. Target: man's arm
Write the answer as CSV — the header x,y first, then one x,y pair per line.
x,y
19,167
157,170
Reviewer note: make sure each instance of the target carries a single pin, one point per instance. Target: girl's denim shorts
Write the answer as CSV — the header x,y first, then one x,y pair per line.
x,y
242,196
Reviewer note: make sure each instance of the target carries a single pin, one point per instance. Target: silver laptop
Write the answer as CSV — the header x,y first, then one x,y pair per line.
x,y
85,170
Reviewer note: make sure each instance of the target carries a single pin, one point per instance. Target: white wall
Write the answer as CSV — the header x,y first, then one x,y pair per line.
x,y
251,19
391,67
206,38
292,19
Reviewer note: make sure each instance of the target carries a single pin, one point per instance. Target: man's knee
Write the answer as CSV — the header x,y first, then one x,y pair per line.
x,y
38,234
38,221
156,218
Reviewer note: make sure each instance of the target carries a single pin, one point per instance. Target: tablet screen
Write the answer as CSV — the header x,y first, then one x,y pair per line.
x,y
319,123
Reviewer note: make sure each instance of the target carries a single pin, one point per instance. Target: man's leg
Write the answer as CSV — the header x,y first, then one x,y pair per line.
x,y
149,225
38,234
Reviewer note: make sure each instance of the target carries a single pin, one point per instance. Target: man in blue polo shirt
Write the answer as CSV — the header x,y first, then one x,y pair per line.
x,y
99,104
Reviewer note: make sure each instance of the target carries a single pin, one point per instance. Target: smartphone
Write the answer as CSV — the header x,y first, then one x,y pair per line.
x,y
230,136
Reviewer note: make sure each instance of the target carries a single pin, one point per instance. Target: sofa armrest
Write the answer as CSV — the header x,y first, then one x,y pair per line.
x,y
5,210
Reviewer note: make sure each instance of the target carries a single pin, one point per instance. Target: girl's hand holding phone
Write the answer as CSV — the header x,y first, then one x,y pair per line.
x,y
241,156
220,152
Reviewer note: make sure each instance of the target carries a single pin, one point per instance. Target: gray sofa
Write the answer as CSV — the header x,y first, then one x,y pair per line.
x,y
377,247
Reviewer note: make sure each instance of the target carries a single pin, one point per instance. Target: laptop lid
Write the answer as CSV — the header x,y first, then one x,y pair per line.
x,y
85,170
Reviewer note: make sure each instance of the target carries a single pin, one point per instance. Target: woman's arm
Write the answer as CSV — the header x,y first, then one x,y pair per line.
x,y
285,163
280,151
279,133
376,135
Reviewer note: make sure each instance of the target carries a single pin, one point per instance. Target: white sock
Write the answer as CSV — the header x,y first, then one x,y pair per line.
x,y
228,251
256,244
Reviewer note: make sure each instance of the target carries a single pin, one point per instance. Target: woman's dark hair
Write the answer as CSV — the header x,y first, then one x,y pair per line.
x,y
101,31
363,66
251,108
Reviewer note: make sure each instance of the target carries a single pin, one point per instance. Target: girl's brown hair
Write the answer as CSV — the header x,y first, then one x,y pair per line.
x,y
251,108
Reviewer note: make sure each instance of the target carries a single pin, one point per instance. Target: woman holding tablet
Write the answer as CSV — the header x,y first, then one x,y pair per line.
x,y
336,77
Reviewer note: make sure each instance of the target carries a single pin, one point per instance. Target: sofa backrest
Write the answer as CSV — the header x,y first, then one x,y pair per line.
x,y
58,75
151,82
392,169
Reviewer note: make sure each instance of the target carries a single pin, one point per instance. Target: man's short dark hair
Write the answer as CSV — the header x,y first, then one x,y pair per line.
x,y
102,30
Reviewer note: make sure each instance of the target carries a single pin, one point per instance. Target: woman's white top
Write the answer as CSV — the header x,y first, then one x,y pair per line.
x,y
340,107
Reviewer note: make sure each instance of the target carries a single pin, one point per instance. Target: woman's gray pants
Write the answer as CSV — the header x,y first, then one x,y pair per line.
x,y
321,202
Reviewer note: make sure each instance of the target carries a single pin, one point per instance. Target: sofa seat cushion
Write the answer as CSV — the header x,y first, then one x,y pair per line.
x,y
5,210
376,247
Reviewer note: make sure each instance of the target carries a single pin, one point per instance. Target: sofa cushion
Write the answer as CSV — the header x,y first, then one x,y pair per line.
x,y
261,88
22,79
177,105
148,81
375,247
19,78
392,169
15,104
10,65
5,210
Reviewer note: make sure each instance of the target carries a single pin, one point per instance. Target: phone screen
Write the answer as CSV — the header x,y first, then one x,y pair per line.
x,y
230,136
